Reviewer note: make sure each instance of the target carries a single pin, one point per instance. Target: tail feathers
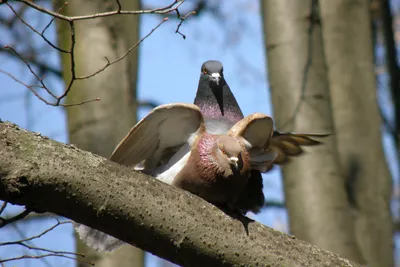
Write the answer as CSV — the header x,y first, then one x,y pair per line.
x,y
97,239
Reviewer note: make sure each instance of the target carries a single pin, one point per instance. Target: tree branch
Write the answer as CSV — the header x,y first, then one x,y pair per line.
x,y
45,175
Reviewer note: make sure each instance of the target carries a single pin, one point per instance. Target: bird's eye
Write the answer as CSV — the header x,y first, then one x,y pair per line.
x,y
204,71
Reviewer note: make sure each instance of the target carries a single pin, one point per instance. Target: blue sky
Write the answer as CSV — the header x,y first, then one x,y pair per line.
x,y
169,69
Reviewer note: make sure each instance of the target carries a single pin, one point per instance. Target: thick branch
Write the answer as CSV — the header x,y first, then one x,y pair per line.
x,y
48,176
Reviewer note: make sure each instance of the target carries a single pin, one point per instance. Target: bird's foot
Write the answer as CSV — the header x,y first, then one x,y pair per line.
x,y
237,214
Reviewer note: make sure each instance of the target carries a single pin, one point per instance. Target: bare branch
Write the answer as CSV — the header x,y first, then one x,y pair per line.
x,y
3,207
32,60
192,233
49,252
35,31
4,222
20,242
182,19
109,63
147,104
2,261
33,90
119,6
164,10
71,50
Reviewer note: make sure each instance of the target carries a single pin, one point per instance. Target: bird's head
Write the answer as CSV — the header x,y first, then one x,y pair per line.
x,y
229,151
212,71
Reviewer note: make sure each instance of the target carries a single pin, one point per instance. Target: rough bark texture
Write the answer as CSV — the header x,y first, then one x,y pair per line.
x,y
314,187
99,126
48,176
349,57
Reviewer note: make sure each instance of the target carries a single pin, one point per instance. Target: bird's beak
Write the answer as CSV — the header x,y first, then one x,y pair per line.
x,y
215,77
234,161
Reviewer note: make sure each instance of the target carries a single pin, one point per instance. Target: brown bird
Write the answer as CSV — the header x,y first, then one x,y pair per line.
x,y
171,144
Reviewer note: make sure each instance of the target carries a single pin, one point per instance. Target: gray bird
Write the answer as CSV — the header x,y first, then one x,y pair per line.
x,y
221,111
171,144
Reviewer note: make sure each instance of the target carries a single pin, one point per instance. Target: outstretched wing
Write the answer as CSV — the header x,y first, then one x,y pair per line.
x,y
257,130
288,145
154,139
268,147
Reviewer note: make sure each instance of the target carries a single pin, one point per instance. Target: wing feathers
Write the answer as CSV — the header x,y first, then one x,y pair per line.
x,y
290,144
153,139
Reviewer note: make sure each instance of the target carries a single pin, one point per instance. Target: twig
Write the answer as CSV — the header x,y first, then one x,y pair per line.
x,y
32,89
51,21
55,253
36,236
44,256
119,6
3,207
147,104
35,31
71,51
274,204
43,86
4,222
32,60
109,63
164,10
19,242
181,21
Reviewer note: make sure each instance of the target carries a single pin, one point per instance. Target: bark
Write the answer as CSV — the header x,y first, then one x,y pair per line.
x,y
349,57
314,187
99,126
48,176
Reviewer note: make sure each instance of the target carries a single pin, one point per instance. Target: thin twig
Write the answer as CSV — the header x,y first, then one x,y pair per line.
x,y
71,51
147,104
35,31
119,6
164,10
44,256
182,19
4,222
51,21
109,63
54,253
43,86
3,207
58,223
32,89
34,61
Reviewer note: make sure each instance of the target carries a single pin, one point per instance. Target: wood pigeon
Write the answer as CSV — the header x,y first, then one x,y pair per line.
x,y
171,144
221,111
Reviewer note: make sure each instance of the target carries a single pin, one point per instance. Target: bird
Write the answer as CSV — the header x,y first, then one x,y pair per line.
x,y
171,144
221,111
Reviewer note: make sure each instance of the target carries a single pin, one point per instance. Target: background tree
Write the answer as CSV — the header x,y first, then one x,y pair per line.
x,y
99,128
303,103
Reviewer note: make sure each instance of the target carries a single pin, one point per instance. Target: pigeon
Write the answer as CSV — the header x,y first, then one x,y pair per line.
x,y
171,144
221,111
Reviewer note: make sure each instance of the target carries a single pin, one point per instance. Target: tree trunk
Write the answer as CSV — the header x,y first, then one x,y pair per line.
x,y
349,57
314,187
99,126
